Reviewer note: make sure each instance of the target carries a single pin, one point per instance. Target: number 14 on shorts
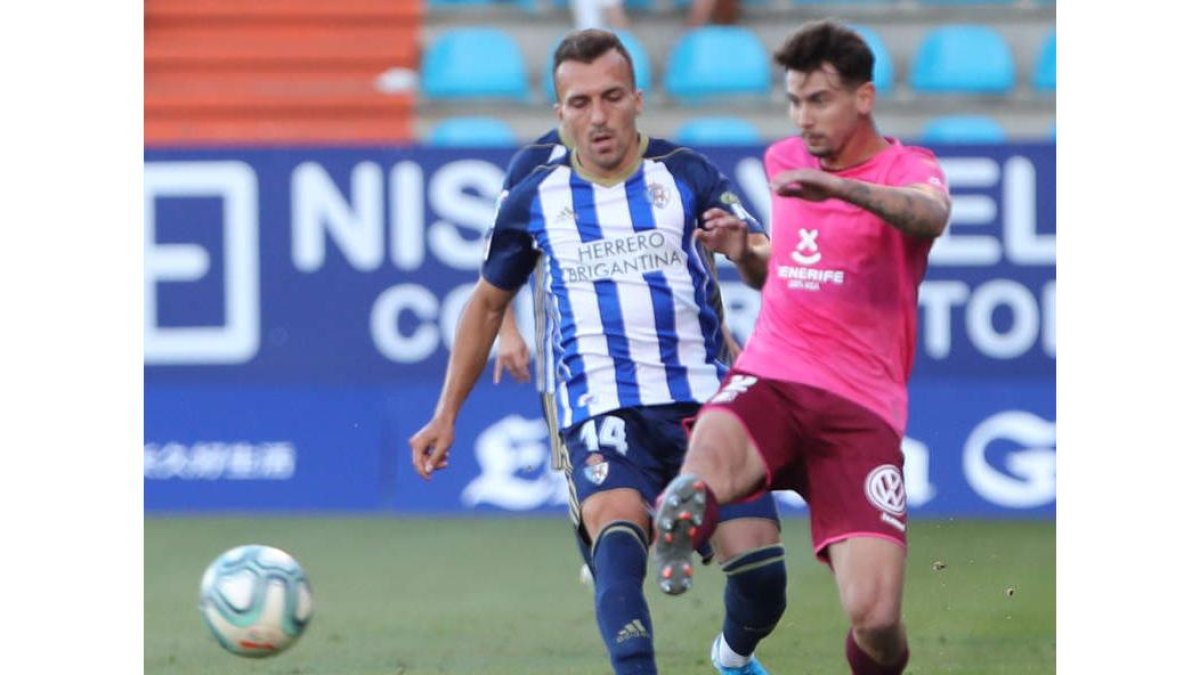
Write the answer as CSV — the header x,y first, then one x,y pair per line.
x,y
610,433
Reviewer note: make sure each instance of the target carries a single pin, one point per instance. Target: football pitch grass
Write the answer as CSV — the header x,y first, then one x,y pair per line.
x,y
501,596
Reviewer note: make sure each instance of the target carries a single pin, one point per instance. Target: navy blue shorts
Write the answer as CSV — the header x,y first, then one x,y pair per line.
x,y
640,448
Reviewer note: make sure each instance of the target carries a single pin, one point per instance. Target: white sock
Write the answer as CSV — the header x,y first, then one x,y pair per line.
x,y
730,658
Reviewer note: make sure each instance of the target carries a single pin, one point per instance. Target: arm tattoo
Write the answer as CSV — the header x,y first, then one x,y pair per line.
x,y
899,207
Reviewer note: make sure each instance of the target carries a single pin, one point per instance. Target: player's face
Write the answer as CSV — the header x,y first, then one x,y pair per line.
x,y
825,111
598,107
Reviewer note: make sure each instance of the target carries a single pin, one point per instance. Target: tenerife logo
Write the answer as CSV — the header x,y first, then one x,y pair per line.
x,y
885,489
806,252
805,255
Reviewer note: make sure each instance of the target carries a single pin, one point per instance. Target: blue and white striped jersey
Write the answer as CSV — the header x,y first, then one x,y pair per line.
x,y
635,307
547,148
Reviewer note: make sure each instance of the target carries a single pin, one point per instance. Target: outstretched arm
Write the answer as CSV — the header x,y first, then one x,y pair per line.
x,y
920,210
477,329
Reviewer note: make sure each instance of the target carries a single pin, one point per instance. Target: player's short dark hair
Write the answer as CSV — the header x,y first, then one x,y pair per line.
x,y
586,46
828,41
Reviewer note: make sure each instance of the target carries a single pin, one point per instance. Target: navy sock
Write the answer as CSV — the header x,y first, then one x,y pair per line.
x,y
861,663
619,568
755,597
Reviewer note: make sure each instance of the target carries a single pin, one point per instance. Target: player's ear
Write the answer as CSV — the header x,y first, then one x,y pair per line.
x,y
639,100
864,98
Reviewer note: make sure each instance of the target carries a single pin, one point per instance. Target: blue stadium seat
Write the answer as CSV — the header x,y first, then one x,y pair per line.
x,y
474,63
966,2
884,73
681,4
963,59
963,129
1045,72
630,5
641,65
457,132
717,61
718,131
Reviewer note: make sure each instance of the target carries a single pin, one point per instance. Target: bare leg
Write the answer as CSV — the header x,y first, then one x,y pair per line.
x,y
870,579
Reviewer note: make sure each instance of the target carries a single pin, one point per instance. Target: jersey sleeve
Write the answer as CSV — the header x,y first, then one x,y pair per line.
x,y
714,190
509,251
530,157
918,166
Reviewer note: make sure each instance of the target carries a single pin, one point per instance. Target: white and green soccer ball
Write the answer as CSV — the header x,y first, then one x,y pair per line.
x,y
256,600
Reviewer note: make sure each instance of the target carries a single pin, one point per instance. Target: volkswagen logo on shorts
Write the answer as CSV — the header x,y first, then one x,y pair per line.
x,y
885,489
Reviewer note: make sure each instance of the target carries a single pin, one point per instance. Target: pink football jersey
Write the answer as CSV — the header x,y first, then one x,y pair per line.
x,y
839,307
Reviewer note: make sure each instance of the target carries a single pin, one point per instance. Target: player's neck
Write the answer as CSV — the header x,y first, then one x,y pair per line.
x,y
628,166
859,149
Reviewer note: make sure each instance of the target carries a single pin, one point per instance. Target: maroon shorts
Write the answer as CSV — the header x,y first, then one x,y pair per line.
x,y
843,459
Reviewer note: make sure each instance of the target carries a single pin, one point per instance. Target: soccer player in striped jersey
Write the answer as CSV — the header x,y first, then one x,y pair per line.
x,y
512,352
818,401
618,227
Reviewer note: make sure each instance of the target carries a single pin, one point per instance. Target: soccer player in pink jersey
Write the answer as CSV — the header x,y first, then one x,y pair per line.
x,y
818,401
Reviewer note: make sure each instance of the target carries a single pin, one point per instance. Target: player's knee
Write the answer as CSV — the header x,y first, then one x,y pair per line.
x,y
614,506
873,615
619,552
720,453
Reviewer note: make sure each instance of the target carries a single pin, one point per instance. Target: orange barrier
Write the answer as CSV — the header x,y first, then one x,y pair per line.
x,y
278,71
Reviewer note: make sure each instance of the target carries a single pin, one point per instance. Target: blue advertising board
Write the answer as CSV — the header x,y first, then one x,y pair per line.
x,y
300,303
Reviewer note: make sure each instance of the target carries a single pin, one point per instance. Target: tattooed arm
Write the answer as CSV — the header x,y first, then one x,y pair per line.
x,y
920,210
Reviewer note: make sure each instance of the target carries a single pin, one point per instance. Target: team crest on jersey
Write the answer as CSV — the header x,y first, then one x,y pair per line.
x,y
658,195
596,468
806,252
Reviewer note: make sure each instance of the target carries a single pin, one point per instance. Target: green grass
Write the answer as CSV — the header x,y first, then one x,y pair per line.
x,y
502,596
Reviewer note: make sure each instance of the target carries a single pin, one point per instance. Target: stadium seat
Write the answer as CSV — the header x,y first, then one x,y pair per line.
x,y
717,61
1045,73
630,5
474,63
963,129
963,59
884,73
718,131
682,4
457,132
641,65
966,2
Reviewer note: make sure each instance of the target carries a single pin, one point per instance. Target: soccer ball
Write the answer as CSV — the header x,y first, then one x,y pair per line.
x,y
255,600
